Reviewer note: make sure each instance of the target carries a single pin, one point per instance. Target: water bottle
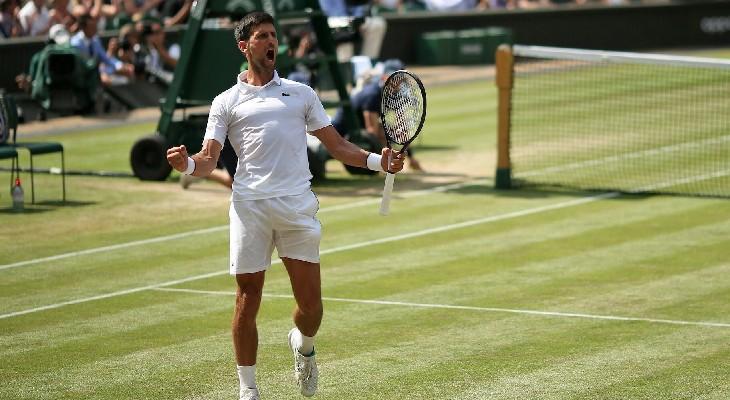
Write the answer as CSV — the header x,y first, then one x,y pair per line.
x,y
18,196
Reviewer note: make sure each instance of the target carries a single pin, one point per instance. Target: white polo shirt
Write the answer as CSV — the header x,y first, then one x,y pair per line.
x,y
267,126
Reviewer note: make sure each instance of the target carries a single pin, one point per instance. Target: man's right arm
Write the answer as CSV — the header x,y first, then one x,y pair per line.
x,y
204,161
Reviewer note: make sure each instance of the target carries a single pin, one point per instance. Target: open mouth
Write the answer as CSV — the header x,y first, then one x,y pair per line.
x,y
270,55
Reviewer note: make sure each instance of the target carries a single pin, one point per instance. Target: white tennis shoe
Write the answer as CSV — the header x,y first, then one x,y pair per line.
x,y
249,394
306,373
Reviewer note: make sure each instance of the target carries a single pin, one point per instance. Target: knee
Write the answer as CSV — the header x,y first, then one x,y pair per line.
x,y
247,307
311,307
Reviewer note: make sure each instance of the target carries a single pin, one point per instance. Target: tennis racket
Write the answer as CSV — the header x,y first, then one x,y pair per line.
x,y
402,113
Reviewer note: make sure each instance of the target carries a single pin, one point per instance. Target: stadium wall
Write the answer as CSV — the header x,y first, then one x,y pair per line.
x,y
633,27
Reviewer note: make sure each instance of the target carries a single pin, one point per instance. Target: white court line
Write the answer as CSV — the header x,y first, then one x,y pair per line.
x,y
471,308
109,295
424,232
220,228
493,218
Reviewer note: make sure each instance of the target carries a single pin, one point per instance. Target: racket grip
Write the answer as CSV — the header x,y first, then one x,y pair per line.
x,y
387,191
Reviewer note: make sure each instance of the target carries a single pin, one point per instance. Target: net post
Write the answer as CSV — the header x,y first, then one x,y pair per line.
x,y
504,80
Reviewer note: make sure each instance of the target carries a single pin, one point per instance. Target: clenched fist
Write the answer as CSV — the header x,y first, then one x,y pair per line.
x,y
178,158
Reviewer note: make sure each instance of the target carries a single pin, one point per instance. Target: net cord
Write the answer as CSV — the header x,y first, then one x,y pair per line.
x,y
617,57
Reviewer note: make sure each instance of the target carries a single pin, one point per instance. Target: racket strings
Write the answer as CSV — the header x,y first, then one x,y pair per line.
x,y
402,108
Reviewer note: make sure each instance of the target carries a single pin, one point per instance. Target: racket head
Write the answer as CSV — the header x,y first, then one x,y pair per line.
x,y
402,108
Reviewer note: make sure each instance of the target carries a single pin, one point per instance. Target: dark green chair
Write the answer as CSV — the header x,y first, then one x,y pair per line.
x,y
10,111
8,151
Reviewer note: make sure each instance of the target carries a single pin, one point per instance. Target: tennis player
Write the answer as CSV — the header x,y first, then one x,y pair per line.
x,y
266,118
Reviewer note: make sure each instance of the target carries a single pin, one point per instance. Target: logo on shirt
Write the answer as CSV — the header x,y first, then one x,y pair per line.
x,y
285,94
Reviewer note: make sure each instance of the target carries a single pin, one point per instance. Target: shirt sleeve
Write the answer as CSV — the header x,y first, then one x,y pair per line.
x,y
316,117
113,64
372,100
217,127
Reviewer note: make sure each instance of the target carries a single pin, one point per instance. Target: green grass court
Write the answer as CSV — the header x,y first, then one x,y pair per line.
x,y
463,292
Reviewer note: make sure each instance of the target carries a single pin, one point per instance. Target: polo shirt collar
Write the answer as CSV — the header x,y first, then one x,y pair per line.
x,y
276,80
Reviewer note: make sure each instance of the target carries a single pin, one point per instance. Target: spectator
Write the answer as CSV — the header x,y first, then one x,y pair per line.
x,y
159,60
371,29
128,49
34,18
9,23
139,9
366,104
175,12
87,42
62,13
302,46
102,12
58,34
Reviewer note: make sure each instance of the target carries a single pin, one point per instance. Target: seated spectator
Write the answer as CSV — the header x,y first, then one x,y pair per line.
x,y
127,48
139,9
102,11
59,79
34,18
175,12
160,60
62,13
366,104
302,46
9,23
57,36
355,14
86,40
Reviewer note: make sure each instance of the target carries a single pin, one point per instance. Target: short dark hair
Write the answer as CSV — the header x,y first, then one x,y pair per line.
x,y
84,20
249,22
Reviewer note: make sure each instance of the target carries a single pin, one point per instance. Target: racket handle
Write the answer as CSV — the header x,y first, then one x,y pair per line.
x,y
387,191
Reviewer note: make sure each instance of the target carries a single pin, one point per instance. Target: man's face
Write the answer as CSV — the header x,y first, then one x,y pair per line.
x,y
91,29
261,47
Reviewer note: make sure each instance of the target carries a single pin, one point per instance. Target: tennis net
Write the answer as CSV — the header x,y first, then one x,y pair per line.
x,y
613,121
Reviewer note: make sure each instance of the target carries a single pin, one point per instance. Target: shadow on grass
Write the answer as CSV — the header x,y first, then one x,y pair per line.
x,y
417,148
362,185
541,192
45,206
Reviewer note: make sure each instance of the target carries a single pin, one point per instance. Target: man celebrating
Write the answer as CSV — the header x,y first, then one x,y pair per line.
x,y
266,118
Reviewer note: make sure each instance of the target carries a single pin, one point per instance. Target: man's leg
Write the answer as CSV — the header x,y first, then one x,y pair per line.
x,y
245,334
306,285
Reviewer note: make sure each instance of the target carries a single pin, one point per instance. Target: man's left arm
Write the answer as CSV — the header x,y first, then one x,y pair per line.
x,y
350,154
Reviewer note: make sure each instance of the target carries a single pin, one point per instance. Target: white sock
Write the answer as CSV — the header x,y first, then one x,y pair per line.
x,y
247,376
305,344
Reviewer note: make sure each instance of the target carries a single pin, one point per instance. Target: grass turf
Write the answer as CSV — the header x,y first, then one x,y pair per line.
x,y
475,293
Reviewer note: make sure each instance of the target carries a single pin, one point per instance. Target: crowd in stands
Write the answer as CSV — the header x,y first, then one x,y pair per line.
x,y
36,17
139,50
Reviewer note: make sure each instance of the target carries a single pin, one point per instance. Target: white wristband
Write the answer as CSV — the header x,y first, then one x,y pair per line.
x,y
374,162
191,167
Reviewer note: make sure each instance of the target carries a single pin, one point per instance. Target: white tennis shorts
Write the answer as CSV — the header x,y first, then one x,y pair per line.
x,y
287,223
